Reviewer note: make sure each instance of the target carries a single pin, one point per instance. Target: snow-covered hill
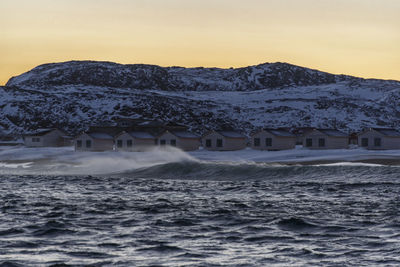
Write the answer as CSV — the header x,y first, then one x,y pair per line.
x,y
74,94
145,77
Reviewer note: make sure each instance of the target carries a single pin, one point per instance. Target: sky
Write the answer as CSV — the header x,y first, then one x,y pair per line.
x,y
355,37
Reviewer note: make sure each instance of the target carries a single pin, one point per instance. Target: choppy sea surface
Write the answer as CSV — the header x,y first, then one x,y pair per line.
x,y
204,214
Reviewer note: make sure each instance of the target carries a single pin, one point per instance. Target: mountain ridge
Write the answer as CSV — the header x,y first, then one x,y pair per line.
x,y
74,94
144,76
201,67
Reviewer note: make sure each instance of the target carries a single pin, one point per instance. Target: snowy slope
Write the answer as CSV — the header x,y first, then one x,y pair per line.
x,y
72,95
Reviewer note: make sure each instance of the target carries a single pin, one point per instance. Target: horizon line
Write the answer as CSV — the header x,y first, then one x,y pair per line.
x,y
198,67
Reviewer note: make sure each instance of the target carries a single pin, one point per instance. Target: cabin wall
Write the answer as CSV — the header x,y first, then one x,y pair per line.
x,y
278,142
28,141
52,139
228,144
235,144
331,142
391,143
387,143
103,145
96,144
186,144
167,137
137,144
337,142
213,137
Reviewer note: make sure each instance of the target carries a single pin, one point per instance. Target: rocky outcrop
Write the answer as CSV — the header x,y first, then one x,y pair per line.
x,y
107,74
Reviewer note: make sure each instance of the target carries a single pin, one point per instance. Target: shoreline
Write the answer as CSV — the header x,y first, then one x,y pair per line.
x,y
372,161
298,156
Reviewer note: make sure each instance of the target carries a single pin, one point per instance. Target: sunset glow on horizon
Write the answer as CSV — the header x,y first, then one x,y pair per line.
x,y
354,37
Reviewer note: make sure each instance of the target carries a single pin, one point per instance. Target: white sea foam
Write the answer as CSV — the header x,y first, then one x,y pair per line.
x,y
64,161
354,164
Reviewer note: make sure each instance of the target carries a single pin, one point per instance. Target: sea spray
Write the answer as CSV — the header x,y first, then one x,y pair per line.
x,y
170,162
65,161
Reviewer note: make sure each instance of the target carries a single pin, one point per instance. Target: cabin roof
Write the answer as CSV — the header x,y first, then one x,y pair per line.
x,y
97,135
184,134
42,132
181,134
333,132
109,130
388,131
231,134
141,135
280,132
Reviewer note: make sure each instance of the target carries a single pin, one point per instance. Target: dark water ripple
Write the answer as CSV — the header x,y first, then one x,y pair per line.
x,y
196,214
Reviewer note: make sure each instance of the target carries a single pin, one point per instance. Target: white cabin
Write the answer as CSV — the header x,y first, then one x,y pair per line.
x,y
94,142
45,138
224,141
273,139
181,139
134,141
379,139
326,139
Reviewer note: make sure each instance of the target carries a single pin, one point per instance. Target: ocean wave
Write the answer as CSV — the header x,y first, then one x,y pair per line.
x,y
202,170
64,161
172,162
344,214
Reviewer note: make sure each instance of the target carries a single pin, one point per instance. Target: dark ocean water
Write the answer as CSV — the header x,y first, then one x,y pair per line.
x,y
201,214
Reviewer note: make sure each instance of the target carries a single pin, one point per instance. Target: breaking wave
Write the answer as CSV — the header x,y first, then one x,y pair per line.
x,y
172,163
203,170
56,161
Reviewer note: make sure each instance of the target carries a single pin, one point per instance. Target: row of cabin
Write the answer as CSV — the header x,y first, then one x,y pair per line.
x,y
142,141
136,141
278,139
266,139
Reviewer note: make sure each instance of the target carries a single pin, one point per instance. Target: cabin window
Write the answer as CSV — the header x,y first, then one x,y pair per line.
x,y
163,142
35,139
79,143
119,143
129,143
364,142
219,142
256,141
88,143
308,142
268,141
173,142
208,142
377,141
321,142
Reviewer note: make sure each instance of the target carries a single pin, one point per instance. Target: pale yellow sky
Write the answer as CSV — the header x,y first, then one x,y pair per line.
x,y
356,37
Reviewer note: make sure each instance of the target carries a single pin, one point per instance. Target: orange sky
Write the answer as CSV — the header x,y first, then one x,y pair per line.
x,y
356,37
